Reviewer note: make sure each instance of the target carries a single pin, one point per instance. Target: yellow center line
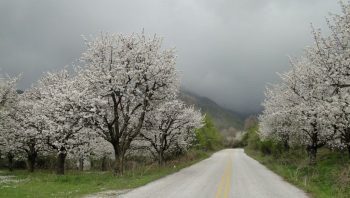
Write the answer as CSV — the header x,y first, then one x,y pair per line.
x,y
222,181
228,181
225,182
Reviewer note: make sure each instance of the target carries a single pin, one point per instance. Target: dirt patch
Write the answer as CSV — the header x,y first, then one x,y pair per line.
x,y
108,194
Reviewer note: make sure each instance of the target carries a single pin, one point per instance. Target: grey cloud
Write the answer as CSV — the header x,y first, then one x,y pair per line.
x,y
227,49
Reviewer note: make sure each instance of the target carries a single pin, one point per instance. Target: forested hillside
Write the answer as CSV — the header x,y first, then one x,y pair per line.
x,y
227,121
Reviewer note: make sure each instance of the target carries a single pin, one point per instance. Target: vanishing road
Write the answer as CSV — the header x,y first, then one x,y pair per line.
x,y
228,173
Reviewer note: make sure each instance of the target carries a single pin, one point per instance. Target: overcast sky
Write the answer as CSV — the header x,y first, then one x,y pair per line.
x,y
228,50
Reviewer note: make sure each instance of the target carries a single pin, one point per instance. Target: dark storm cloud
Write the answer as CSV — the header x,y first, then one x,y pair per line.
x,y
227,49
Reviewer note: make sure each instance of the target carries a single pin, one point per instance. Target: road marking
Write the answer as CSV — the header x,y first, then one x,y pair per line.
x,y
225,182
228,181
218,192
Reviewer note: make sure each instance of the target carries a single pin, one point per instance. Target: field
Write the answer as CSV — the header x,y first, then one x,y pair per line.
x,y
329,178
42,184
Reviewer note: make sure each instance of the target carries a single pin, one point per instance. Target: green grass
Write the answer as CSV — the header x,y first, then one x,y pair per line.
x,y
330,178
76,184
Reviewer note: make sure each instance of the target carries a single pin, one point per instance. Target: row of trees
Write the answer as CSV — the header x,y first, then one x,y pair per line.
x,y
121,98
311,106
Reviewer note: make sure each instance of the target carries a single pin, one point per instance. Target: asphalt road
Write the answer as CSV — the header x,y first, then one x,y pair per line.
x,y
228,173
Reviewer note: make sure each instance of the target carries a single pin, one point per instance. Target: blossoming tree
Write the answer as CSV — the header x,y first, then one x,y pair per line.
x,y
126,76
170,125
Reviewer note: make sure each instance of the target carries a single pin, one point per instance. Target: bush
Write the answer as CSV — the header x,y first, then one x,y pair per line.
x,y
252,141
208,137
266,147
237,144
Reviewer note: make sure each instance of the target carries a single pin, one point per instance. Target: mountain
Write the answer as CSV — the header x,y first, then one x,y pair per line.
x,y
227,121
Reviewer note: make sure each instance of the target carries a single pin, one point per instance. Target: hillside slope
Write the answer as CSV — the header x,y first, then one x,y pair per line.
x,y
226,121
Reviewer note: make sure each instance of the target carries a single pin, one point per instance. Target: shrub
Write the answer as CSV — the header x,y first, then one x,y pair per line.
x,y
208,137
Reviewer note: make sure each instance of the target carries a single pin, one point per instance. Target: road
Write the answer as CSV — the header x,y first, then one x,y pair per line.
x,y
228,173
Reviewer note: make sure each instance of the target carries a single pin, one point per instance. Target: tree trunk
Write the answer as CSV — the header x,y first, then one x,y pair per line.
x,y
92,163
161,158
81,164
60,163
312,151
346,139
286,145
104,164
10,161
119,168
314,145
31,160
116,164
119,165
119,160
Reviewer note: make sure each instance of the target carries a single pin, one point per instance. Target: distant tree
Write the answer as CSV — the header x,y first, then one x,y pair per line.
x,y
208,137
8,94
296,108
251,121
8,141
29,125
169,127
102,150
61,99
8,100
276,120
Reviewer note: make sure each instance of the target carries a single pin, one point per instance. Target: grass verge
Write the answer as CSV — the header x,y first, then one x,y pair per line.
x,y
330,178
43,184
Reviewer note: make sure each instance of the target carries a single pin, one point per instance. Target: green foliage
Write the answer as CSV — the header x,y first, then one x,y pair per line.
x,y
329,178
208,137
252,141
251,138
